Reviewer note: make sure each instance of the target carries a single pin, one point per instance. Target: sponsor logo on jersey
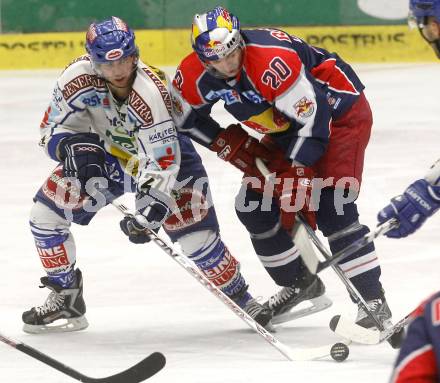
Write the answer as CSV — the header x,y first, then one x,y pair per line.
x,y
253,96
269,121
114,54
166,156
192,208
162,135
229,96
81,82
304,108
140,107
160,85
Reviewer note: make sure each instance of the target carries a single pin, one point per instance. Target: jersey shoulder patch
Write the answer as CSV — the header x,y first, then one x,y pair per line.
x,y
187,75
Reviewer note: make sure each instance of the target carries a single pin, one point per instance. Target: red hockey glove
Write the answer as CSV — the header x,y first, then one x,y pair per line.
x,y
294,189
236,146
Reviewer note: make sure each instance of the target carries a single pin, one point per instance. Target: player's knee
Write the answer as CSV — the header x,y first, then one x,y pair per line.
x,y
346,236
258,221
44,217
196,241
329,220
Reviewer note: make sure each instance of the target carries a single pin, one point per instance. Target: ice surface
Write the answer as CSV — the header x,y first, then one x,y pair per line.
x,y
140,301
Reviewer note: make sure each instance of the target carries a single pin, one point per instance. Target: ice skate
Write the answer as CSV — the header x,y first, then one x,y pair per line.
x,y
307,288
63,310
262,315
379,307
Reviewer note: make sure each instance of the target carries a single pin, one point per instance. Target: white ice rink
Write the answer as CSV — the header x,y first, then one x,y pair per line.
x,y
140,301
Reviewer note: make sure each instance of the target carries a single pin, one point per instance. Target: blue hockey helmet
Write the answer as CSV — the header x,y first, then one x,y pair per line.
x,y
421,13
420,9
110,40
215,34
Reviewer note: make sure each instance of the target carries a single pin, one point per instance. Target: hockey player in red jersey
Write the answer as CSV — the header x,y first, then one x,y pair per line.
x,y
110,118
311,108
419,357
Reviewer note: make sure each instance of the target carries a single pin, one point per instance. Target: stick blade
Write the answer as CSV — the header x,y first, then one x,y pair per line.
x,y
141,371
350,330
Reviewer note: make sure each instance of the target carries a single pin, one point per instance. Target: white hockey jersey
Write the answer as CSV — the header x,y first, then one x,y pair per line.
x,y
140,132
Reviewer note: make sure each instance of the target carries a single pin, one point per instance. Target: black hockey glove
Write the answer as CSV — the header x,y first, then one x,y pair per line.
x,y
152,209
84,157
134,231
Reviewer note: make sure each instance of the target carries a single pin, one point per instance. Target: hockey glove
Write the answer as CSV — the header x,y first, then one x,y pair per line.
x,y
419,201
293,187
236,146
84,157
152,209
134,231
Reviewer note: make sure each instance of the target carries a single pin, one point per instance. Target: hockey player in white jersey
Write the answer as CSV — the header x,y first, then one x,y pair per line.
x,y
110,121
421,199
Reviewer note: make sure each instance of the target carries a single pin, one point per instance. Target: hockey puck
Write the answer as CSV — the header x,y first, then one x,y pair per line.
x,y
339,351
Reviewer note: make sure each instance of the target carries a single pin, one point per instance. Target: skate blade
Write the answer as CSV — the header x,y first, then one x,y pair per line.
x,y
68,325
317,304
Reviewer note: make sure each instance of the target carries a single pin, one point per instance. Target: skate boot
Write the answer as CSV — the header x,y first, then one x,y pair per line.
x,y
62,304
380,309
252,307
307,287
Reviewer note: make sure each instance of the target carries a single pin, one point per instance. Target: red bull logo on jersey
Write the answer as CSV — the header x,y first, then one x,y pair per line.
x,y
114,54
304,108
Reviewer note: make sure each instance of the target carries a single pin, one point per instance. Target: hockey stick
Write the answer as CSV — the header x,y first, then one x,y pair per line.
x,y
350,330
357,245
394,334
395,337
309,257
290,353
135,374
